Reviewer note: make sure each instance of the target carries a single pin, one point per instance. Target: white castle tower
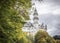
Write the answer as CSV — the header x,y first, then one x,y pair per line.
x,y
36,25
35,17
36,22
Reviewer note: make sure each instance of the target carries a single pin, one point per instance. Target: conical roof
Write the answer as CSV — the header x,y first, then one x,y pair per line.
x,y
35,12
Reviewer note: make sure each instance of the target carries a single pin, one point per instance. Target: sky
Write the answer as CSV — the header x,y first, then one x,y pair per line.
x,y
49,13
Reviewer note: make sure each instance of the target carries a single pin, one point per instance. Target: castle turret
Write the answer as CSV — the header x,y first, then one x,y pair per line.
x,y
35,17
44,27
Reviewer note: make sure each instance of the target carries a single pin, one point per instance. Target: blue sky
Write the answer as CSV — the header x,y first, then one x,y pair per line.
x,y
49,13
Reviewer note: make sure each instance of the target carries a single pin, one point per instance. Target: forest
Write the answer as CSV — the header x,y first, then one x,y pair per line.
x,y
12,20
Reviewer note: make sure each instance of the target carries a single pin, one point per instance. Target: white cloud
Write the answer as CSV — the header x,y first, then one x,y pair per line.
x,y
46,8
56,11
43,8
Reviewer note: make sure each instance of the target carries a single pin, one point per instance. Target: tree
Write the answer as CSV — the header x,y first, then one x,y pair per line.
x,y
43,37
11,20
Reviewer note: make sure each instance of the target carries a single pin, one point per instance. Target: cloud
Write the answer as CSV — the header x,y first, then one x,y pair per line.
x,y
53,22
54,2
56,11
48,7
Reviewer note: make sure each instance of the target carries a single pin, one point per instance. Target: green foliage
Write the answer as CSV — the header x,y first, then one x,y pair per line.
x,y
57,41
11,21
43,37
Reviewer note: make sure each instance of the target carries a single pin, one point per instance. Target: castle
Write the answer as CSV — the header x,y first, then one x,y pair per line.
x,y
36,25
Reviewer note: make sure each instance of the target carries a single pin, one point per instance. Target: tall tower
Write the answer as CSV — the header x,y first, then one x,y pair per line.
x,y
35,17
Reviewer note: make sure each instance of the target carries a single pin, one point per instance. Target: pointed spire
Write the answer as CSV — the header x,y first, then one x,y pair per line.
x,y
35,12
35,17
42,26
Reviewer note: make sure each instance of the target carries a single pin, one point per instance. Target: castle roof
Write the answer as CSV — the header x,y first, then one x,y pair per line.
x,y
35,12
